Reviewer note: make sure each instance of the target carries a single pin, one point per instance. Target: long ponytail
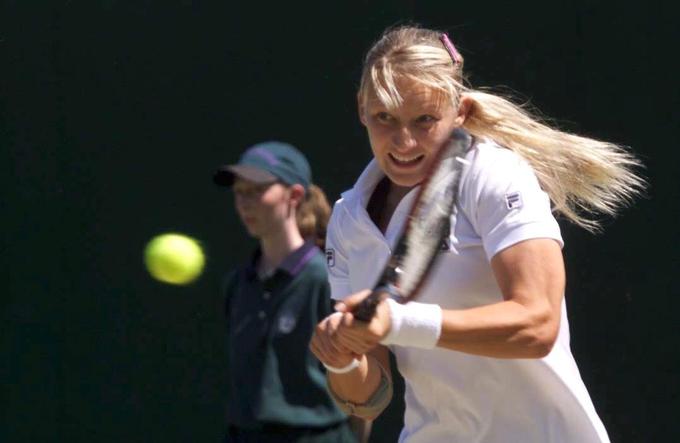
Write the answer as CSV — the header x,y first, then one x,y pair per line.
x,y
583,176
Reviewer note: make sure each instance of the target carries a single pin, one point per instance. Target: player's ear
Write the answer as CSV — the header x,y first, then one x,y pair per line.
x,y
464,108
361,108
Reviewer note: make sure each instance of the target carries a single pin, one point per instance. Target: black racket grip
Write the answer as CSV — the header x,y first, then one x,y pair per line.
x,y
367,307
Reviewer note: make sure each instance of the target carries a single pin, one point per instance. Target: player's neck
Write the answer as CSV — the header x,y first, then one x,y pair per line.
x,y
384,201
396,193
279,244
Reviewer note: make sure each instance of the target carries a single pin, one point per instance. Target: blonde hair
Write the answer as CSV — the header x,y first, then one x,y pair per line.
x,y
312,216
582,176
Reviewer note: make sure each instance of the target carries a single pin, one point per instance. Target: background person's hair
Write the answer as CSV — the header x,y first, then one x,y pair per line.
x,y
582,176
312,215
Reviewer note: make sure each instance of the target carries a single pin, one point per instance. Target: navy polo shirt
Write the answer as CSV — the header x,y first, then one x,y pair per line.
x,y
273,378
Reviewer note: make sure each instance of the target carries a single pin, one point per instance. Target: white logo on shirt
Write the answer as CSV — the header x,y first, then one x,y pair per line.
x,y
286,323
330,257
513,200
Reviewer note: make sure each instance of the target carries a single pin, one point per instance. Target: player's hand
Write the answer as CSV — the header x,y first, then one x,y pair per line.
x,y
356,335
325,346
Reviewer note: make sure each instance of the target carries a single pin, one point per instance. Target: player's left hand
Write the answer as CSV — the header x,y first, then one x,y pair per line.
x,y
324,345
356,335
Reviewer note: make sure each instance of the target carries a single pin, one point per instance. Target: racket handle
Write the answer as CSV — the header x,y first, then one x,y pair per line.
x,y
366,309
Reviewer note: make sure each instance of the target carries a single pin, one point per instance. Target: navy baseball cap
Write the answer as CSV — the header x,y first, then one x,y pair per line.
x,y
268,162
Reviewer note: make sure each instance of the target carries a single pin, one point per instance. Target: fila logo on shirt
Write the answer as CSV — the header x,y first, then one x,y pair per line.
x,y
330,257
513,200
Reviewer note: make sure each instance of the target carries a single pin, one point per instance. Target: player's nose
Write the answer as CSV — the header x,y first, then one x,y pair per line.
x,y
403,139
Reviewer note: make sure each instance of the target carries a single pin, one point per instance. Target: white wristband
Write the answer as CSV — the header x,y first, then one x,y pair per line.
x,y
414,324
344,369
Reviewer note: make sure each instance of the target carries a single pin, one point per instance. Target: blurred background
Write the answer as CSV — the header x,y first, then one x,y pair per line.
x,y
114,114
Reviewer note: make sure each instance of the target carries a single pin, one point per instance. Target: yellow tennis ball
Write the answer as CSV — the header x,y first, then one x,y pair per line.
x,y
174,258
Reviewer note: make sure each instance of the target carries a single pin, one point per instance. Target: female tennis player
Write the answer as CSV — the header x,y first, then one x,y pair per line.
x,y
273,303
484,351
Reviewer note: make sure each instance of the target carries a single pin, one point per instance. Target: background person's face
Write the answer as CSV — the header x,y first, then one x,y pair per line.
x,y
262,208
404,140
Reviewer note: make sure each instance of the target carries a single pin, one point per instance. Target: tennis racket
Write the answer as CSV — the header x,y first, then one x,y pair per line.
x,y
426,228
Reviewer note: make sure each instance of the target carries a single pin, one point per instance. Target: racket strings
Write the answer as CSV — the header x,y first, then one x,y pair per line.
x,y
430,222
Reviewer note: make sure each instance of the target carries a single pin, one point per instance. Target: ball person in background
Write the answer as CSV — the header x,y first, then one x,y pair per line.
x,y
484,351
277,390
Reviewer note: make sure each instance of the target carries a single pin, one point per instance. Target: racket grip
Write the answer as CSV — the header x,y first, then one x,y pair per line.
x,y
367,307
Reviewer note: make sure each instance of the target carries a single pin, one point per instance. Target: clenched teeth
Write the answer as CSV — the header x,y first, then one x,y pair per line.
x,y
404,159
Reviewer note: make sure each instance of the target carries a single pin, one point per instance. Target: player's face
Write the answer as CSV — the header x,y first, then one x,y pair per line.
x,y
404,140
262,208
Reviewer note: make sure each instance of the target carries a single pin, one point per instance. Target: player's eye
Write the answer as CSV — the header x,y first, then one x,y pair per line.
x,y
384,117
426,119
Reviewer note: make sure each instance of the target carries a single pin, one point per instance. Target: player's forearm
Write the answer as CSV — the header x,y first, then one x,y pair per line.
x,y
357,386
366,391
502,330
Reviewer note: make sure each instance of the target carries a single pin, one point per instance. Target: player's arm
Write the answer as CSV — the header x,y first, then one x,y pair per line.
x,y
363,391
525,324
524,249
366,391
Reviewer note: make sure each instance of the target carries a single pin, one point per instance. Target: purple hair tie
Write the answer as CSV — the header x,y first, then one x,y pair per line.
x,y
455,55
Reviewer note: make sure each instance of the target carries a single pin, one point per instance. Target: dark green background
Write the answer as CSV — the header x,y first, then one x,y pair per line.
x,y
115,113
